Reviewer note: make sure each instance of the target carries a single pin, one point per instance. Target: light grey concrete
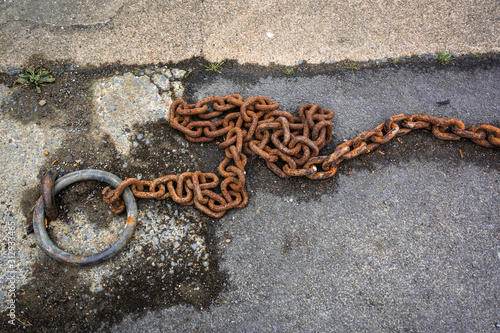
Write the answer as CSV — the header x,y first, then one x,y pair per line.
x,y
258,31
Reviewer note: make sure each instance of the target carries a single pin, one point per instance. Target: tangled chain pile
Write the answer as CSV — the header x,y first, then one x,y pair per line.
x,y
289,144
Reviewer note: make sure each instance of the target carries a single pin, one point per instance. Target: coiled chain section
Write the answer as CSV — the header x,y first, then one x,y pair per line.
x,y
289,144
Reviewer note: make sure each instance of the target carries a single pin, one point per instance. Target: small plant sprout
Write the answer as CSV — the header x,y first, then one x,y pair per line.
x,y
395,61
214,66
31,76
352,65
443,57
289,71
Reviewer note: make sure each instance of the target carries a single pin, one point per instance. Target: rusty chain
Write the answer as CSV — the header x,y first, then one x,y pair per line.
x,y
289,144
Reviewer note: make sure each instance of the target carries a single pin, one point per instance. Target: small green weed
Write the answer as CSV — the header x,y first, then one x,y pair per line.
x,y
352,65
288,71
395,61
478,55
31,76
444,57
214,66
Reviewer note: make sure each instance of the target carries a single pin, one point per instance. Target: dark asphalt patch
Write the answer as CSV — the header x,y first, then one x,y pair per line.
x,y
57,299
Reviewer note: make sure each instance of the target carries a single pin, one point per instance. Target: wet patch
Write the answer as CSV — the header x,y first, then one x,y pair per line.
x,y
172,257
59,300
419,145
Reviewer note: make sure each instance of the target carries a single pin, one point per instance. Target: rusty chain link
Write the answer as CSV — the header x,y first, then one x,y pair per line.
x,y
289,144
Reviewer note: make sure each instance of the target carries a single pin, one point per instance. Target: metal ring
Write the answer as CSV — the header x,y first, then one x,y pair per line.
x,y
62,256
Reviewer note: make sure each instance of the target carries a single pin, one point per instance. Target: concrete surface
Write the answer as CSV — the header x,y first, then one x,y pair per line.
x,y
259,32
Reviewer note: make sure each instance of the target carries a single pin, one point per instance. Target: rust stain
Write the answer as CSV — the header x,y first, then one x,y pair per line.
x,y
130,220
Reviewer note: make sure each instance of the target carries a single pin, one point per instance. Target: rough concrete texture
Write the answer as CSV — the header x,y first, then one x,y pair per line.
x,y
125,100
136,33
31,140
261,32
59,12
403,239
23,154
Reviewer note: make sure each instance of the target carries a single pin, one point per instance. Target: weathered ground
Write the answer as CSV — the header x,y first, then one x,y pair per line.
x,y
136,32
404,239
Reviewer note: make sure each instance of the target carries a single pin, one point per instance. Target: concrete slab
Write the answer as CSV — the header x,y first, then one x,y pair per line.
x,y
60,12
259,32
129,32
265,32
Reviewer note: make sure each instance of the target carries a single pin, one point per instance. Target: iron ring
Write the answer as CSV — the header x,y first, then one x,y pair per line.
x,y
65,257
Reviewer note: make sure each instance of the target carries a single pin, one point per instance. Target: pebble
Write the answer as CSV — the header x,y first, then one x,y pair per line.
x,y
138,72
161,81
178,73
42,102
167,73
178,89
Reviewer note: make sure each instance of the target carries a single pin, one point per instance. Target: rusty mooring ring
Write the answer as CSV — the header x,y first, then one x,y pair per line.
x,y
65,257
